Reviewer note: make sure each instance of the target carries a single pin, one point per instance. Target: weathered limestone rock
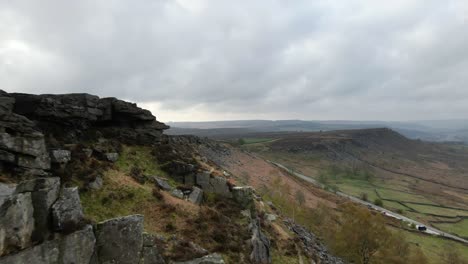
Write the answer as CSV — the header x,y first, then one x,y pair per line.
x,y
271,217
214,184
112,157
203,180
96,184
176,167
214,258
6,190
16,222
77,247
120,240
60,156
260,245
44,192
150,253
162,183
69,116
243,196
196,196
177,193
220,186
67,213
26,151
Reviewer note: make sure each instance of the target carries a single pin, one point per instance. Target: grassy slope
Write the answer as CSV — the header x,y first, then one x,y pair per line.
x,y
460,228
434,247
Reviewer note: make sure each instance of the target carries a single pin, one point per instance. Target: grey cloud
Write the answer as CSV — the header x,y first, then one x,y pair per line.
x,y
360,59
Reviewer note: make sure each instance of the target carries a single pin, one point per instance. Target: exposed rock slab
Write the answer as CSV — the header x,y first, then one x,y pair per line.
x,y
44,192
213,184
260,245
162,183
196,196
67,213
16,222
120,240
243,196
150,253
77,247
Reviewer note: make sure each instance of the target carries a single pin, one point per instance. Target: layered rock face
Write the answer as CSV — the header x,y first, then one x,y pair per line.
x,y
43,224
32,125
22,145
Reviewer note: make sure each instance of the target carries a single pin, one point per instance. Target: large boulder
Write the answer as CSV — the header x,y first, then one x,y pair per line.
x,y
96,184
162,184
67,213
120,240
77,247
150,253
196,196
44,192
214,184
16,222
243,196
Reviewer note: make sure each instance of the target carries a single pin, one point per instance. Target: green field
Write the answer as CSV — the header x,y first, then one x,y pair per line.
x,y
401,196
460,228
394,206
435,247
427,209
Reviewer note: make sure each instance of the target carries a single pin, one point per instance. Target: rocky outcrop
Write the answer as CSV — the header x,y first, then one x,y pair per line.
x,y
77,247
214,184
312,246
29,235
260,244
28,121
243,195
22,145
76,113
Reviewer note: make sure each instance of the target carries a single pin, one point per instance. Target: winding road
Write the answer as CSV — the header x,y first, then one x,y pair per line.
x,y
388,213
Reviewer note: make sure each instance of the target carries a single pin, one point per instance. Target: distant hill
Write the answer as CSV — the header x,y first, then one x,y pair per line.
x,y
430,130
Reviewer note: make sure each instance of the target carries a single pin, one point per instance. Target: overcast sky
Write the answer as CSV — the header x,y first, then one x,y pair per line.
x,y
264,59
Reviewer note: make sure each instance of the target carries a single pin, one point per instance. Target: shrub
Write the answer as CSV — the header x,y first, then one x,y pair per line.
x,y
378,202
364,197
